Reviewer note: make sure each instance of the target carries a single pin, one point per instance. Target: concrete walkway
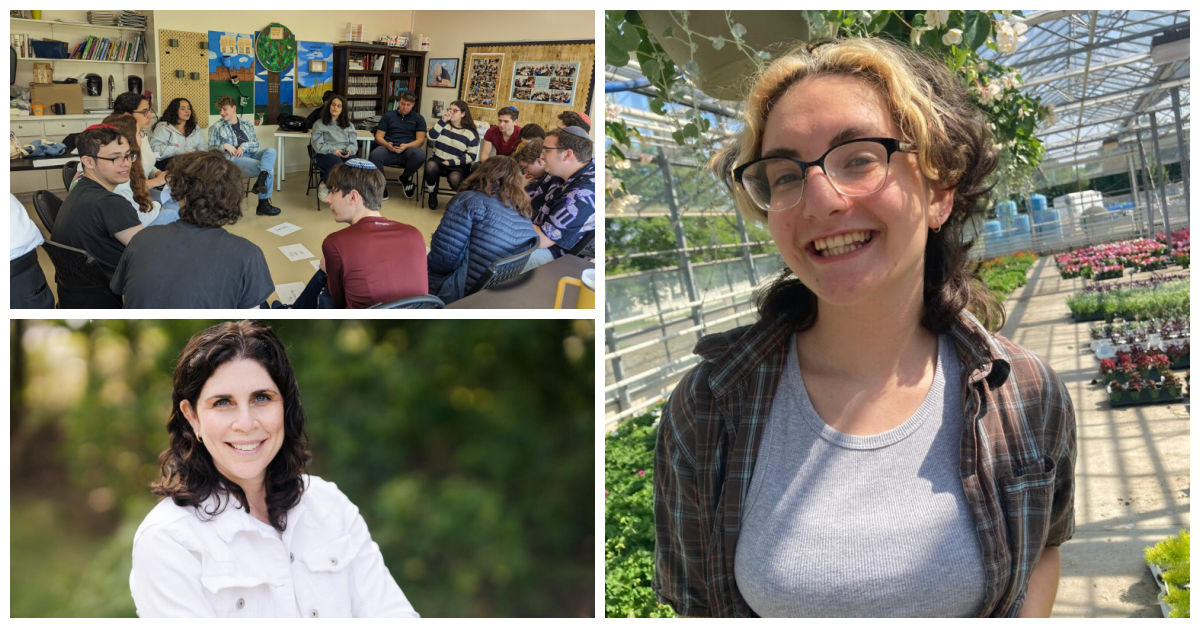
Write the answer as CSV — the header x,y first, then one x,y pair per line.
x,y
1132,484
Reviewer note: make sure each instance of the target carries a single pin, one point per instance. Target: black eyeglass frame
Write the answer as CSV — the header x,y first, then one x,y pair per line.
x,y
890,144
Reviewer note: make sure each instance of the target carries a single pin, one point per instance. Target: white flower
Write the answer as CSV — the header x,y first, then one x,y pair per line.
x,y
934,19
953,37
915,36
1020,28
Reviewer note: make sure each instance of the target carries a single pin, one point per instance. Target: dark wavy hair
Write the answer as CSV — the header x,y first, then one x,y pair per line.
x,y
171,115
500,177
954,149
208,187
125,123
467,121
343,119
128,102
509,111
572,118
188,475
532,131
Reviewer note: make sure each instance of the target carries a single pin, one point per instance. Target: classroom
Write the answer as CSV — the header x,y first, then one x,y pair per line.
x,y
255,88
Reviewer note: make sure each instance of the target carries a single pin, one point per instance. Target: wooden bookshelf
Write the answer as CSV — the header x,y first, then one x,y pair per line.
x,y
372,76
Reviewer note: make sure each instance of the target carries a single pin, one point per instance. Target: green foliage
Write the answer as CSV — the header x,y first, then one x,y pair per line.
x,y
467,446
1162,301
1173,556
1004,274
275,54
629,520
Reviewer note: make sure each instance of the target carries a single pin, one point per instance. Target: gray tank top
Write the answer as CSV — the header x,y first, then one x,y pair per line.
x,y
837,525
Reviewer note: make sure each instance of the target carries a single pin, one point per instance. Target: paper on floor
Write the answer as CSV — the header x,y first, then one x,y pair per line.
x,y
295,252
289,292
283,229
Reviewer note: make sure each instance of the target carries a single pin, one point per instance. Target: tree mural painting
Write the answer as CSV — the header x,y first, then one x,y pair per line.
x,y
276,51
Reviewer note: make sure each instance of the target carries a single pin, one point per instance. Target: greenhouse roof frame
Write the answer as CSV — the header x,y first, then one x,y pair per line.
x,y
1103,73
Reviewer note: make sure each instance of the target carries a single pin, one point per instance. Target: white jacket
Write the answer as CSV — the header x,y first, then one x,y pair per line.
x,y
167,141
233,565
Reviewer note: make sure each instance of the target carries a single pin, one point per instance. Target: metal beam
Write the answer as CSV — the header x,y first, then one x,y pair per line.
x,y
1100,44
1097,68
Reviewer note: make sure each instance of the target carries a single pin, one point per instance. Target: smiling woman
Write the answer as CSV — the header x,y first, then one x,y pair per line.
x,y
869,447
245,532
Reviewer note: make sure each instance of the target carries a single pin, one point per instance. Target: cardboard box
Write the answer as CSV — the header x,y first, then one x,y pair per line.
x,y
46,94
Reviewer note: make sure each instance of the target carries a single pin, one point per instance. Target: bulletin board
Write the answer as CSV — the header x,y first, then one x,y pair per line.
x,y
577,54
191,57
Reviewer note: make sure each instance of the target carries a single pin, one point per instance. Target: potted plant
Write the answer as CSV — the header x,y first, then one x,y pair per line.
x,y
1135,387
1172,387
1116,393
1170,564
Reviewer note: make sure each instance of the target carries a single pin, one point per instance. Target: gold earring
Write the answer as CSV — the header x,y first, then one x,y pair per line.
x,y
199,438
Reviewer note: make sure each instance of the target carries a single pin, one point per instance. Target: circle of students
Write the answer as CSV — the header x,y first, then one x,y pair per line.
x,y
142,223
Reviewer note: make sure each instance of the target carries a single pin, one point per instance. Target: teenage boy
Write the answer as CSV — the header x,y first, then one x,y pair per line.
x,y
193,262
93,217
569,209
373,260
236,137
400,135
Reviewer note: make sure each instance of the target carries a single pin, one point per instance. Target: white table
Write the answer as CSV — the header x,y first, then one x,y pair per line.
x,y
364,143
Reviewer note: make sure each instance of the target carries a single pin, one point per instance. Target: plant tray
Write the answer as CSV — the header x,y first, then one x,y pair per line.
x,y
1145,401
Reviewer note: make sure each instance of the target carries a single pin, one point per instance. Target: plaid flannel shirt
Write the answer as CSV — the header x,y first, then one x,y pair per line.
x,y
1017,463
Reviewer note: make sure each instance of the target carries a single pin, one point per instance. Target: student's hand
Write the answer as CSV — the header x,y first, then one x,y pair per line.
x,y
239,152
397,148
343,153
230,148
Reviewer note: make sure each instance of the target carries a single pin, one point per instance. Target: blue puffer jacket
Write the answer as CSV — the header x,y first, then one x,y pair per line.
x,y
476,231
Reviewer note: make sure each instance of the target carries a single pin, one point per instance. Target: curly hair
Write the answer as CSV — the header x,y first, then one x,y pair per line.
x,y
127,126
529,152
343,119
208,187
572,118
171,115
954,149
187,472
500,178
467,121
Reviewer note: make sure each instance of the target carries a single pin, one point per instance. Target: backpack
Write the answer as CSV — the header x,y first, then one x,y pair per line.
x,y
289,122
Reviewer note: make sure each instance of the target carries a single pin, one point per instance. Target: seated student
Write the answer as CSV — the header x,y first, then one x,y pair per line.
x,y
538,182
372,261
503,137
454,144
176,133
400,135
92,217
572,118
236,137
333,140
316,113
568,211
193,262
26,282
135,190
529,132
138,106
487,220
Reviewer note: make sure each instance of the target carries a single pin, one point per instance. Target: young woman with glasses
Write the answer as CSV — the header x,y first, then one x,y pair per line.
x,y
869,447
139,107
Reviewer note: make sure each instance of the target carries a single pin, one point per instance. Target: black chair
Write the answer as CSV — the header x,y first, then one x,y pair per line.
x,y
584,248
506,271
46,204
68,173
424,301
314,175
81,277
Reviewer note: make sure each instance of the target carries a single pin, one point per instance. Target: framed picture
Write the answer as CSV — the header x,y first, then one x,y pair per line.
x,y
316,66
442,73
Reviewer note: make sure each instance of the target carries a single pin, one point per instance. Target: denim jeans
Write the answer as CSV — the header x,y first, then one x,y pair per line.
x,y
251,163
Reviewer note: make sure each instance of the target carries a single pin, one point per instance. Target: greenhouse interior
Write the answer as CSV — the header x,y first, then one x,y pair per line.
x,y
1085,239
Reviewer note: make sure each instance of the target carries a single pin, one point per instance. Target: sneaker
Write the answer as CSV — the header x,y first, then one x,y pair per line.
x,y
410,188
260,184
323,193
265,208
433,202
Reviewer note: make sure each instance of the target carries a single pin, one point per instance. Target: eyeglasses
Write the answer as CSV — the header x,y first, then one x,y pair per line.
x,y
546,148
855,168
144,112
119,159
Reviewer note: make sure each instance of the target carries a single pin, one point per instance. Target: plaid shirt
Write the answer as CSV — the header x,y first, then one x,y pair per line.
x,y
1017,463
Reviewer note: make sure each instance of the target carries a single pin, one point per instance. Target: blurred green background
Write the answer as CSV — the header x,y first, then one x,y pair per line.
x,y
468,446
